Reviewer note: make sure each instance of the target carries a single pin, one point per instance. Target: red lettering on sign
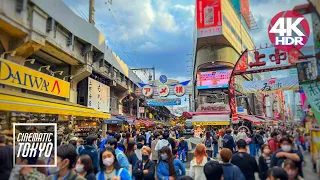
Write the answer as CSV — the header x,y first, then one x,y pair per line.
x,y
54,86
147,90
179,89
164,90
257,57
277,56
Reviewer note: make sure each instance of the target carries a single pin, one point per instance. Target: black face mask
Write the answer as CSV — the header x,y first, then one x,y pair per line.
x,y
139,145
145,157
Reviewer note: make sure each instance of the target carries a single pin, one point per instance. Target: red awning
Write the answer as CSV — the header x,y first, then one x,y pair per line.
x,y
250,118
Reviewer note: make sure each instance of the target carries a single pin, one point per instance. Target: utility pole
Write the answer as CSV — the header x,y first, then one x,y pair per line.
x,y
91,12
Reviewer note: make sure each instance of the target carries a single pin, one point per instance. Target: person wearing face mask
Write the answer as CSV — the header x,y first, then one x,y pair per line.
x,y
121,157
277,173
286,152
84,167
140,139
66,159
144,169
131,155
264,162
90,150
110,167
292,170
169,168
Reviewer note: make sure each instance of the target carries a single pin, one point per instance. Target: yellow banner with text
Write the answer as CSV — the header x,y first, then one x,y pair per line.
x,y
13,74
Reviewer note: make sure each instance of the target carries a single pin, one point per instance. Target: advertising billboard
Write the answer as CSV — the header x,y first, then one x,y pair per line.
x,y
274,84
163,102
213,79
209,18
98,95
245,11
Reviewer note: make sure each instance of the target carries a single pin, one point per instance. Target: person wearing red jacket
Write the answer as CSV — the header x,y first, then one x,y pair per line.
x,y
273,142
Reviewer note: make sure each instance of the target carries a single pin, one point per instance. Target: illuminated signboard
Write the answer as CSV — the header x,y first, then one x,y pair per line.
x,y
213,79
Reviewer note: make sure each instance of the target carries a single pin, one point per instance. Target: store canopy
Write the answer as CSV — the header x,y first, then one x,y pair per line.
x,y
113,120
16,101
250,118
211,119
129,120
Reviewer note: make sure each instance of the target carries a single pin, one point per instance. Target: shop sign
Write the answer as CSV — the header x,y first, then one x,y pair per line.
x,y
307,70
240,109
13,74
213,107
98,95
274,84
212,123
245,11
147,91
315,145
163,90
312,91
163,102
209,18
141,109
179,90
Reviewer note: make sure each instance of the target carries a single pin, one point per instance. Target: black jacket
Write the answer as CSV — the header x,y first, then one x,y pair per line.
x,y
138,170
90,176
263,168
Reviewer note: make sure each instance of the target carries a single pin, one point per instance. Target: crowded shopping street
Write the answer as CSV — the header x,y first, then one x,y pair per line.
x,y
159,89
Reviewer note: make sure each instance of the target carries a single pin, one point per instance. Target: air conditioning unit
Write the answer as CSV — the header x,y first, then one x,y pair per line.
x,y
113,83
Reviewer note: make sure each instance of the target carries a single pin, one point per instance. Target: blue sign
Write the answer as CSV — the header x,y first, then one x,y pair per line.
x,y
163,79
163,102
240,109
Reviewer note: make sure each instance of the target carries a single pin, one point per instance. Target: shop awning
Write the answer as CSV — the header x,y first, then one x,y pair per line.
x,y
250,118
211,119
129,120
16,101
113,120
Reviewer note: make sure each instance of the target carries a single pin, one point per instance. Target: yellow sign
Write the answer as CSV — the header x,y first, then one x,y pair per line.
x,y
315,144
13,74
212,123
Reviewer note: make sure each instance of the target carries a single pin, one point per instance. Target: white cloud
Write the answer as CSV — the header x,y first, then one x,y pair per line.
x,y
189,8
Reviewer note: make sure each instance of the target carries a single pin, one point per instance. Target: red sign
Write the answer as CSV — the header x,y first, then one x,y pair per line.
x,y
209,18
288,29
245,11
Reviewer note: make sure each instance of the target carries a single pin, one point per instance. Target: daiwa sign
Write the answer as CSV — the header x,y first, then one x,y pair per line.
x,y
13,74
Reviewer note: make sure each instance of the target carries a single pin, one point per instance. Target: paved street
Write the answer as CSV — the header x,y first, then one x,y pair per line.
x,y
308,172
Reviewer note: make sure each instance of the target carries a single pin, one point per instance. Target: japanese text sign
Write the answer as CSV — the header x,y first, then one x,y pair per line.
x,y
312,91
98,95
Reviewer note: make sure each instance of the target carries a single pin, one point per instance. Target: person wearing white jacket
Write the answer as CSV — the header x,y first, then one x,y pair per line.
x,y
163,142
198,162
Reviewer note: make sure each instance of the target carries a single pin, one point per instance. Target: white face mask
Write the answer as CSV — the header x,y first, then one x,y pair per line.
x,y
267,151
286,148
79,168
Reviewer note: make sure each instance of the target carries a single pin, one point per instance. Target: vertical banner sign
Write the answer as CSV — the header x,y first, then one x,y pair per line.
x,y
312,91
316,37
315,144
98,96
245,11
231,91
209,18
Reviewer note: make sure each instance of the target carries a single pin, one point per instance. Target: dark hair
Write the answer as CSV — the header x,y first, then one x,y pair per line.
x,y
208,135
73,142
141,138
235,132
113,142
3,139
90,140
170,159
285,139
290,163
87,162
213,170
117,136
130,148
274,134
241,144
128,136
68,151
278,173
228,131
156,135
165,135
109,132
186,178
31,160
115,163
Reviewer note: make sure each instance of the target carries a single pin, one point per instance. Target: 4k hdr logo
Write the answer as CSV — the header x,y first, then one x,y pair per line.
x,y
288,29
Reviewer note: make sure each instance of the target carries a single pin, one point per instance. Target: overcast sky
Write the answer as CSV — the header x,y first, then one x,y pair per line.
x,y
160,32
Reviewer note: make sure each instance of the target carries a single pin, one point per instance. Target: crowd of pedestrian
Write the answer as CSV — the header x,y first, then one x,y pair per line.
x,y
224,153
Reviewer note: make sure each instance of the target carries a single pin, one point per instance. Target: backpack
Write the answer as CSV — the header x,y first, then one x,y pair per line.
x,y
225,141
259,139
208,142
